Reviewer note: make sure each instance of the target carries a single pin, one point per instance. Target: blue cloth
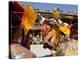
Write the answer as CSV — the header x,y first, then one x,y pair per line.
x,y
23,41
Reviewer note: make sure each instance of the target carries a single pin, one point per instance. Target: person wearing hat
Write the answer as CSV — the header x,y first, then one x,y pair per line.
x,y
64,27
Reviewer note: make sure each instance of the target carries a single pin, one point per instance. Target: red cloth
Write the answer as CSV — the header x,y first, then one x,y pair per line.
x,y
45,29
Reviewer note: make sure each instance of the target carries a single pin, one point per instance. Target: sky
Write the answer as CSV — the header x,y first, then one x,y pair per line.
x,y
51,6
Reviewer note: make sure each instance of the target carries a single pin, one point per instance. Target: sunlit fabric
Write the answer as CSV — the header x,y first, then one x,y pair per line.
x,y
28,18
65,29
